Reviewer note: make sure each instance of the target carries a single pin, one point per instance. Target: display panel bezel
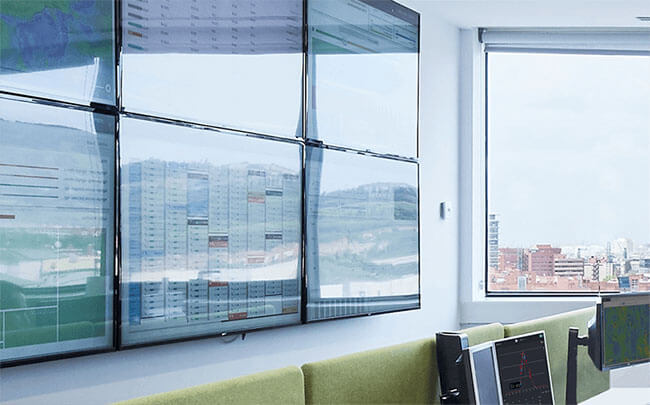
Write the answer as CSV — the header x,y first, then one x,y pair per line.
x,y
477,348
110,302
233,140
223,124
396,10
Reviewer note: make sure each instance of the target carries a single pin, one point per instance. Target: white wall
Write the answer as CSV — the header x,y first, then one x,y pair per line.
x,y
137,372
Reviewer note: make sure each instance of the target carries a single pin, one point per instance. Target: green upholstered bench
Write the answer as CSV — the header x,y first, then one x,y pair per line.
x,y
400,374
591,381
282,386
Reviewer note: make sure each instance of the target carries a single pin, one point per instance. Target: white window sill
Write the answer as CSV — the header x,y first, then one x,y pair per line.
x,y
516,309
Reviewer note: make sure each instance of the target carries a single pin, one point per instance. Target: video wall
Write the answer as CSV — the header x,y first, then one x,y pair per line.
x,y
247,164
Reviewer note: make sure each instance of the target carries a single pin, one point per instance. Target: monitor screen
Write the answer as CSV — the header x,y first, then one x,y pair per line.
x,y
524,369
229,63
58,49
363,75
56,230
484,375
210,225
362,234
625,329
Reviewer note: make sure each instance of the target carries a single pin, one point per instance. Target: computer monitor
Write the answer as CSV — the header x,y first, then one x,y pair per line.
x,y
619,336
486,388
523,370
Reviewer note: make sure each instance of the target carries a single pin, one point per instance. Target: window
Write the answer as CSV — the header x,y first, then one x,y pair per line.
x,y
568,174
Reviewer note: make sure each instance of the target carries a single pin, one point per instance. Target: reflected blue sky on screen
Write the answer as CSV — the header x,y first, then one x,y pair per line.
x,y
568,147
367,101
259,93
365,171
143,140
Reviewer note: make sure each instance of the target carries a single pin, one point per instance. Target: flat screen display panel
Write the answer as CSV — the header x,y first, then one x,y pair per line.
x,y
484,375
56,230
625,329
363,75
59,49
210,228
230,63
362,234
524,371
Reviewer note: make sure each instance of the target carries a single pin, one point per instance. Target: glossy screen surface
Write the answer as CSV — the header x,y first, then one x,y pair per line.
x,y
363,75
487,384
56,230
362,234
59,49
210,232
230,63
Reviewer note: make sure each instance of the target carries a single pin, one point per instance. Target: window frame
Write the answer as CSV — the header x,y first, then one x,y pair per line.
x,y
486,283
560,48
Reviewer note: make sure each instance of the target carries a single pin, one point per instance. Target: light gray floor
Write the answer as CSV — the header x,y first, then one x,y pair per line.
x,y
635,376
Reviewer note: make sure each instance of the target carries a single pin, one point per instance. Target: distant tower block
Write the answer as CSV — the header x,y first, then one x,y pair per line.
x,y
595,275
493,241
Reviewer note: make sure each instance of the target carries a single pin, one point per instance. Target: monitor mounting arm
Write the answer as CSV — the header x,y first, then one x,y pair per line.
x,y
572,364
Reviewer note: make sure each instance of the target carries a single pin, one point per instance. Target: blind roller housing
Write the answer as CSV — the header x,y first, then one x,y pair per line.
x,y
630,42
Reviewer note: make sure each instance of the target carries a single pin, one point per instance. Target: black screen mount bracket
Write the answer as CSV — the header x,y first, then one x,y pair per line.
x,y
572,364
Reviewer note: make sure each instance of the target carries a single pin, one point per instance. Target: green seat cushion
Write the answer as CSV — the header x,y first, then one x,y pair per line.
x,y
591,381
400,374
483,333
282,386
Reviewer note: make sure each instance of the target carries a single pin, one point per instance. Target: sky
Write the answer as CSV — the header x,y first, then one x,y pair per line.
x,y
569,148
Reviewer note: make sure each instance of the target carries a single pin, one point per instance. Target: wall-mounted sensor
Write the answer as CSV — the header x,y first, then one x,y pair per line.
x,y
445,209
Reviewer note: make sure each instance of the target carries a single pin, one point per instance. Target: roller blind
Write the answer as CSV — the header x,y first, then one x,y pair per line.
x,y
617,42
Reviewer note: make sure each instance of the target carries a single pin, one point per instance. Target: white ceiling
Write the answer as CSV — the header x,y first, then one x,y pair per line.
x,y
537,13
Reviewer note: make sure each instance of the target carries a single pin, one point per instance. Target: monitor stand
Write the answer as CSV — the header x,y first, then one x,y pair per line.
x,y
572,365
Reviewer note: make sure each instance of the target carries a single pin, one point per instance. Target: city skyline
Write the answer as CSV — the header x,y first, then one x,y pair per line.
x,y
637,244
620,264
